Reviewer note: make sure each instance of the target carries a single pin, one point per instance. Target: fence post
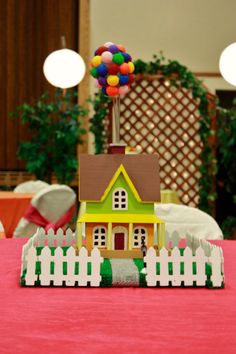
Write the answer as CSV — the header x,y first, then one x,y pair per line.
x,y
151,260
215,259
31,258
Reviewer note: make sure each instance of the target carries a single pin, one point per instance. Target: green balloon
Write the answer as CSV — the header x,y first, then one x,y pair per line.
x,y
94,72
118,58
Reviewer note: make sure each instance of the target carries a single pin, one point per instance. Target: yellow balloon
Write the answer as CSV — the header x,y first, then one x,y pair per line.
x,y
97,60
113,80
131,67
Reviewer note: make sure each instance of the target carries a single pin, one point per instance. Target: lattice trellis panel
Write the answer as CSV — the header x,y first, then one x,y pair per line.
x,y
157,117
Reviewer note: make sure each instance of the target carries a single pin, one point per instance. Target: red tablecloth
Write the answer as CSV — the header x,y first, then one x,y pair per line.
x,y
114,320
12,208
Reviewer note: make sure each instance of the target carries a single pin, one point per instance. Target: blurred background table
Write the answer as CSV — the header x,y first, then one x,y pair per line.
x,y
12,208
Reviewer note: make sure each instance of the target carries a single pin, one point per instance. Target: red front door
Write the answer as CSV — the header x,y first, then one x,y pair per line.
x,y
119,241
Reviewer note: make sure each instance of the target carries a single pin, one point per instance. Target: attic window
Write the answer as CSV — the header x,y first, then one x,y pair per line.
x,y
99,237
120,199
138,233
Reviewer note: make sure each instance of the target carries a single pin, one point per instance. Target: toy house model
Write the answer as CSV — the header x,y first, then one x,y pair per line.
x,y
120,191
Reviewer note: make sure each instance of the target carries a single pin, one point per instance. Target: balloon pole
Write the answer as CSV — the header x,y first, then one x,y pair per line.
x,y
116,120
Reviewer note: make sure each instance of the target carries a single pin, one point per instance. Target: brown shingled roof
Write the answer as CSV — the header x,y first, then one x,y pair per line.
x,y
96,171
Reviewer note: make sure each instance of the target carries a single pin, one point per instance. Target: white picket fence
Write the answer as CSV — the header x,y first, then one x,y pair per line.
x,y
205,253
196,251
30,260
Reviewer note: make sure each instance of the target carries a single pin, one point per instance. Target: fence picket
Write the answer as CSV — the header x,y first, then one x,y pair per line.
x,y
31,258
175,239
200,265
150,260
188,267
58,267
216,266
71,260
164,269
69,237
51,235
45,258
59,237
176,277
96,260
83,265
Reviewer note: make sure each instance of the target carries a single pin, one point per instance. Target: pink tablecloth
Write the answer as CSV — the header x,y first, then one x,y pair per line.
x,y
121,320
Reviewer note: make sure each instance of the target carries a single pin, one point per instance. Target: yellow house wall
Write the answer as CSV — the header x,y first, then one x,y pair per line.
x,y
150,232
90,227
89,234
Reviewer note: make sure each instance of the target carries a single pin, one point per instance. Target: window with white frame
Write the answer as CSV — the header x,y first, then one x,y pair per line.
x,y
139,232
120,199
99,237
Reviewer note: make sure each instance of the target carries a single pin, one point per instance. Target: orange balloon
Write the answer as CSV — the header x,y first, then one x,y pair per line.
x,y
124,68
112,91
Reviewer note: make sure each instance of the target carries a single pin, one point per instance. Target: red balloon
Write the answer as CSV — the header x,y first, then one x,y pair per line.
x,y
100,50
112,91
113,69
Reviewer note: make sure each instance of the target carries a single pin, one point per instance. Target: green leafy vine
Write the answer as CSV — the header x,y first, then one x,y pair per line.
x,y
178,75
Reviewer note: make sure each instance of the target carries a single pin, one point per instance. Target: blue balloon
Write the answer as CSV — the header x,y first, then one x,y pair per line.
x,y
124,79
102,70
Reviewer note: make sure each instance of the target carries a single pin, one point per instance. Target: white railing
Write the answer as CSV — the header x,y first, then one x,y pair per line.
x,y
57,277
196,252
51,239
205,253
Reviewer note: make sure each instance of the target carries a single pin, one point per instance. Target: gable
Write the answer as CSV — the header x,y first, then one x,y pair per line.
x,y
105,205
128,182
97,171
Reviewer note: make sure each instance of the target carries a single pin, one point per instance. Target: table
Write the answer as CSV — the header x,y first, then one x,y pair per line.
x,y
115,320
12,208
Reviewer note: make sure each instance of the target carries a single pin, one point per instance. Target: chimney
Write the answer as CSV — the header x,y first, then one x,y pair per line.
x,y
116,149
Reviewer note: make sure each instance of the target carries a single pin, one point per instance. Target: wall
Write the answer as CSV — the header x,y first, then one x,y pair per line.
x,y
194,32
29,31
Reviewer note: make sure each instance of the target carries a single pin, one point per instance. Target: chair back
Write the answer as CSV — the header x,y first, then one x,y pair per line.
x,y
31,186
187,220
47,209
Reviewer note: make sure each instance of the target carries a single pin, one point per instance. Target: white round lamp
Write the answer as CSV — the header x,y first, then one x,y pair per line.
x,y
228,64
64,68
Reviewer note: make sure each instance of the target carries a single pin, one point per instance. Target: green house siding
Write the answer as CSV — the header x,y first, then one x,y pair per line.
x,y
134,207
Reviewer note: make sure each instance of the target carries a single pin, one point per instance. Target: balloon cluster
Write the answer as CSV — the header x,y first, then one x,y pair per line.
x,y
112,67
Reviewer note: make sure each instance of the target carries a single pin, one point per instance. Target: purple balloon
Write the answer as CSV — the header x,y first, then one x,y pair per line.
x,y
127,57
102,81
113,49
